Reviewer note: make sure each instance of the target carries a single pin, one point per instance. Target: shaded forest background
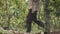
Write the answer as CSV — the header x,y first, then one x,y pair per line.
x,y
13,15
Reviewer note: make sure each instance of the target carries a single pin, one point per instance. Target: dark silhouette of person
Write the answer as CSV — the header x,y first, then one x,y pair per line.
x,y
33,17
33,8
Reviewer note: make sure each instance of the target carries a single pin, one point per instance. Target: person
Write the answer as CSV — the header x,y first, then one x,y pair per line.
x,y
33,7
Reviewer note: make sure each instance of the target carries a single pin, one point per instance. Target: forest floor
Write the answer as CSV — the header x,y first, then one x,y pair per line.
x,y
18,32
2,31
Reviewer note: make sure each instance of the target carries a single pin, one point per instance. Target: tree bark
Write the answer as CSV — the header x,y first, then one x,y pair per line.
x,y
47,17
34,5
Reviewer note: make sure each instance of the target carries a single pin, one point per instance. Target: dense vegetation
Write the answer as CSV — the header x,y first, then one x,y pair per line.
x,y
13,14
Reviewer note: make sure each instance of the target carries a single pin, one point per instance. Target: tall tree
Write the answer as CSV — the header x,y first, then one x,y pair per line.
x,y
47,17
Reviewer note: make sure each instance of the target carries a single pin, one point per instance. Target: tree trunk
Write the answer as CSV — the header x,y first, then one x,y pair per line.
x,y
47,17
9,17
34,5
7,7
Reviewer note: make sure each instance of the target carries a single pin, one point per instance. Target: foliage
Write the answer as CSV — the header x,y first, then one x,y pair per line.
x,y
17,11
